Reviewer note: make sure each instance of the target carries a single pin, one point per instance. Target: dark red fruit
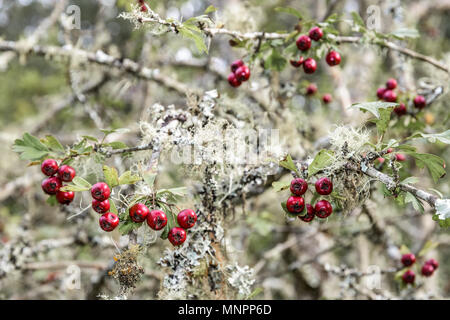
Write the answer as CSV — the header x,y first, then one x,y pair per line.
x,y
309,65
310,214
108,221
390,96
143,8
51,185
380,92
333,58
303,43
187,218
242,73
100,191
295,204
400,110
408,276
316,33
420,102
297,63
311,89
236,64
233,80
156,219
432,262
324,186
389,150
391,84
327,98
139,212
101,206
66,173
323,209
299,186
177,236
408,259
49,167
65,197
427,270
400,157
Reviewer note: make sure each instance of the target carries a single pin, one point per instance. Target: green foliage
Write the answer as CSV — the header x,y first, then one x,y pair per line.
x,y
288,163
434,164
30,148
374,107
404,33
111,176
416,203
280,186
78,184
275,61
323,159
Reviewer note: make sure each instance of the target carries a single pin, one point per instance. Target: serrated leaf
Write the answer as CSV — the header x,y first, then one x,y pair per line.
x,y
434,164
53,143
383,122
374,107
443,137
275,61
90,138
291,11
323,159
288,163
116,145
280,185
197,37
416,203
128,178
210,9
111,176
79,181
428,246
30,148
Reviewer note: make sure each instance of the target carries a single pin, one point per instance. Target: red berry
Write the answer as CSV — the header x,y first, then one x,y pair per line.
x,y
400,157
427,270
390,96
409,276
381,160
380,92
391,84
400,110
324,186
299,186
143,8
101,206
311,89
408,259
303,43
177,236
100,191
156,219
108,221
420,102
389,150
49,167
432,262
51,185
236,64
297,63
323,209
138,212
66,173
333,58
316,33
233,80
187,218
309,65
242,73
65,197
295,204
310,214
327,98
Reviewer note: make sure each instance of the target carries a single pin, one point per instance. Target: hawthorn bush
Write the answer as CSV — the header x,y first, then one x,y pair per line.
x,y
224,150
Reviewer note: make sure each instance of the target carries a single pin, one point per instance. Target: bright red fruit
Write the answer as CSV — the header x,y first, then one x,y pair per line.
x,y
316,33
66,173
100,191
408,259
51,185
138,212
391,84
236,64
299,186
65,197
309,65
432,262
327,98
303,43
333,58
390,96
311,89
177,236
49,167
233,80
400,110
427,270
187,218
310,214
242,73
409,276
324,186
420,102
156,219
101,206
400,157
108,221
295,204
380,92
323,209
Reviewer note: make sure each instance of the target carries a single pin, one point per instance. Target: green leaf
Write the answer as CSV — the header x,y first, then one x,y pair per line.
x,y
172,194
406,147
111,176
128,178
254,293
428,246
275,61
404,249
149,178
113,207
90,138
280,186
30,148
434,164
52,200
417,204
374,107
443,137
197,37
410,180
288,163
291,11
116,145
53,143
323,159
78,184
210,9
118,130
403,33
383,122
79,181
357,19
127,226
171,220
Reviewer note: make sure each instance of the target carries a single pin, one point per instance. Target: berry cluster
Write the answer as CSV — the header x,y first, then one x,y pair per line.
x,y
100,193
239,73
295,204
311,89
398,157
388,94
56,176
142,5
304,42
427,270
